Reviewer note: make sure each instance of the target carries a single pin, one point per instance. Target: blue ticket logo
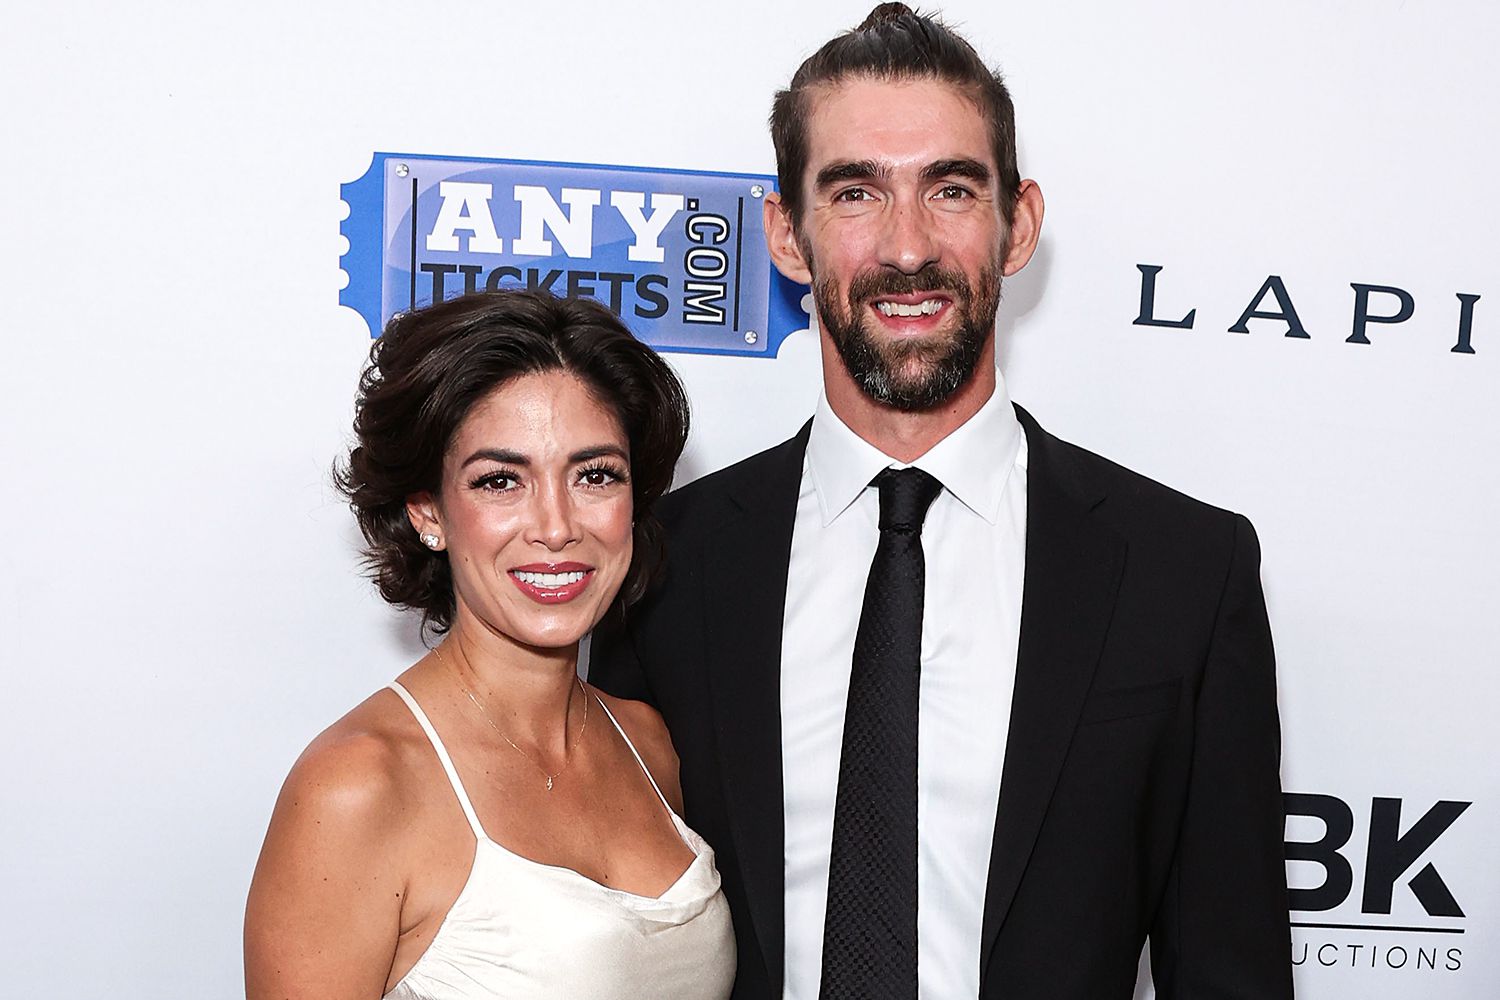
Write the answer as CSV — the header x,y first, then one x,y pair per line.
x,y
679,255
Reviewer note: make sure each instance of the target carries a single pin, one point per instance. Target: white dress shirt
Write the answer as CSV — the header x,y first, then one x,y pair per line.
x,y
974,544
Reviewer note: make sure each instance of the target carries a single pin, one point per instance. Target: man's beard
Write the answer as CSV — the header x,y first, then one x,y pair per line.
x,y
910,374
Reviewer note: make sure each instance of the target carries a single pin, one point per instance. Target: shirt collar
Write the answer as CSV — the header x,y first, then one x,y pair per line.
x,y
973,463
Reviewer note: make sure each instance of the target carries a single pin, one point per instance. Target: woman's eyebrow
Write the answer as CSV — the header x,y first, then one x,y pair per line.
x,y
503,455
507,457
599,451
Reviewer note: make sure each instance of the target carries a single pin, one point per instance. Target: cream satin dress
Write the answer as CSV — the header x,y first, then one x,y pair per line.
x,y
521,930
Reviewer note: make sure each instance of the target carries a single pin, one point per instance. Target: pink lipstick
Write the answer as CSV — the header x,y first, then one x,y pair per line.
x,y
552,583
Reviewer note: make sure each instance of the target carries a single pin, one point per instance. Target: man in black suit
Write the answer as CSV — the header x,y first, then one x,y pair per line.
x,y
978,729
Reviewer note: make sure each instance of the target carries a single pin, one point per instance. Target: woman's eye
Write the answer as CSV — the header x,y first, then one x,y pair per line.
x,y
597,477
496,482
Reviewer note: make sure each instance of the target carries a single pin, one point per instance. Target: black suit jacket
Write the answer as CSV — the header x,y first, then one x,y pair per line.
x,y
1140,792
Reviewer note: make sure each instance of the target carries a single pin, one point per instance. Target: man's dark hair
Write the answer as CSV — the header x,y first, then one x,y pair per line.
x,y
433,365
893,43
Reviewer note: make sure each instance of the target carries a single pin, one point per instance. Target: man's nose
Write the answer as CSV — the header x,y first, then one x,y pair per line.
x,y
909,241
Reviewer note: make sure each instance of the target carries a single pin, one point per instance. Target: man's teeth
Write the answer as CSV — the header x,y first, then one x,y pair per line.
x,y
924,308
548,580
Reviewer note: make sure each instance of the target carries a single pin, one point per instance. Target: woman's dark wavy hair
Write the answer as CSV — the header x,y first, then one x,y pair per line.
x,y
428,370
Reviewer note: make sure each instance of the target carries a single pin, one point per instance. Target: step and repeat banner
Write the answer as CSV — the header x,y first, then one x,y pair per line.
x,y
1267,277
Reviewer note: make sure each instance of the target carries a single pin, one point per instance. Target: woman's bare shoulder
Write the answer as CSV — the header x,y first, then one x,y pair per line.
x,y
326,900
358,771
646,729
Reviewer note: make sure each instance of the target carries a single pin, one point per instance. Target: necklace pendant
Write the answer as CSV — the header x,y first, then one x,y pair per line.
x,y
549,783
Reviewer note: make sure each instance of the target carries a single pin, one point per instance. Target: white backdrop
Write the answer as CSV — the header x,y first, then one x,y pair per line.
x,y
180,610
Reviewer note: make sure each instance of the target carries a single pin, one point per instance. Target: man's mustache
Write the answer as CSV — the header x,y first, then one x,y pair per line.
x,y
889,281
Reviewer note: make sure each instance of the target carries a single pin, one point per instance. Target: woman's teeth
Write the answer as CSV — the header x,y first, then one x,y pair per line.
x,y
548,580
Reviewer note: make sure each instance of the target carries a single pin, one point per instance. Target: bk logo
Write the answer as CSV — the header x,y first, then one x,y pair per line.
x,y
1389,854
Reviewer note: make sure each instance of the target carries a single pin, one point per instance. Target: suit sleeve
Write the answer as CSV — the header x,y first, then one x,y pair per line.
x,y
1221,931
614,667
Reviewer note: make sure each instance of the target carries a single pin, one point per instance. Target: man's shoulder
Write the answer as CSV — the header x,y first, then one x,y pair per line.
x,y
723,494
1121,495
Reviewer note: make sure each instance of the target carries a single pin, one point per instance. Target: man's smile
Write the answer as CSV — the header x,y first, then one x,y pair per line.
x,y
912,313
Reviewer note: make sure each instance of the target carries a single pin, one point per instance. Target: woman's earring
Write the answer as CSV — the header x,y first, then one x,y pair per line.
x,y
431,541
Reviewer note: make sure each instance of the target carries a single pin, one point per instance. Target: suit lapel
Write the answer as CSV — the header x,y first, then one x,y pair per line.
x,y
1073,567
746,600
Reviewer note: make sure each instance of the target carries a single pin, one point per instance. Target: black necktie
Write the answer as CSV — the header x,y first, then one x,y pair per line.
x,y
870,935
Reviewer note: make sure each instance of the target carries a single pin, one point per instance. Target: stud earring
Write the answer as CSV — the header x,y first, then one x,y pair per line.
x,y
431,541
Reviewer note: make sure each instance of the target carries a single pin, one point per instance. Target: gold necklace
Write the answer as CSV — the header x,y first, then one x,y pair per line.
x,y
567,759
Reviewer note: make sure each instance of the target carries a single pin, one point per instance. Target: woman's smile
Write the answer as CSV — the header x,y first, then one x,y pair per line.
x,y
552,583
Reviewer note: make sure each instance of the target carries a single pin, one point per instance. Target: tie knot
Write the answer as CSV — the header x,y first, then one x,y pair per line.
x,y
905,495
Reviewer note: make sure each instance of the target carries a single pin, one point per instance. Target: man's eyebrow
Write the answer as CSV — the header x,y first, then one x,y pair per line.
x,y
958,167
849,170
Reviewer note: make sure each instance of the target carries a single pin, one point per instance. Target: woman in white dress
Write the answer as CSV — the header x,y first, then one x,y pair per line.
x,y
491,826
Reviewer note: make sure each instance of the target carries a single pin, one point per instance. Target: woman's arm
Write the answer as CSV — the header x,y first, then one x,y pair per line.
x,y
325,904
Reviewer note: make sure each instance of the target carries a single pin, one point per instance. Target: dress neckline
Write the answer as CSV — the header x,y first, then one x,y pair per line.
x,y
684,833
699,850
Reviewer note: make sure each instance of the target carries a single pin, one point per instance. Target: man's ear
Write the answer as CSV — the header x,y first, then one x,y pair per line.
x,y
781,240
1025,227
422,511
